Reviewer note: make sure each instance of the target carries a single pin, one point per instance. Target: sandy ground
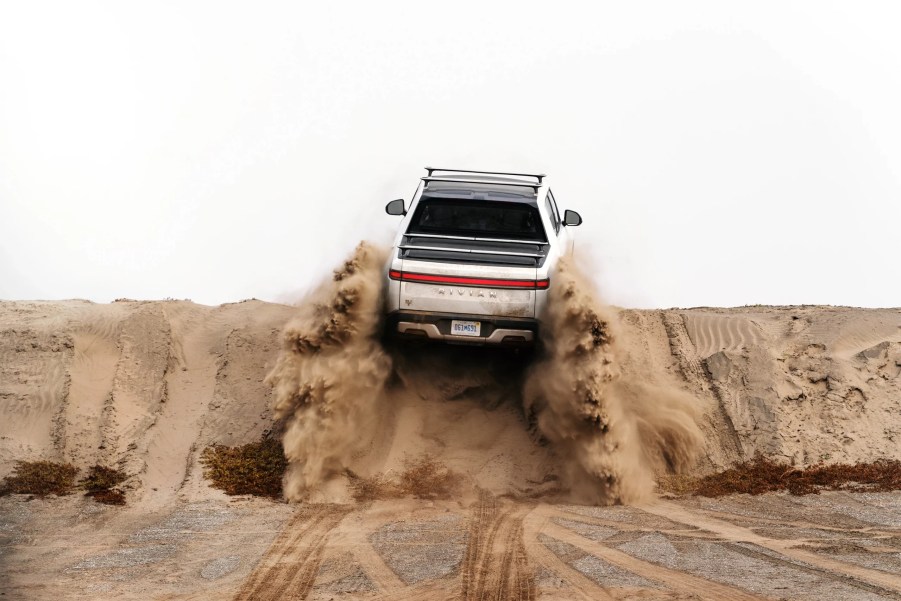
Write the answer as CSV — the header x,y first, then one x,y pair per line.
x,y
830,546
146,386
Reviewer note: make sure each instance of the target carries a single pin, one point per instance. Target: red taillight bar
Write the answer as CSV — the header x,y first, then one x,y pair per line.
x,y
464,281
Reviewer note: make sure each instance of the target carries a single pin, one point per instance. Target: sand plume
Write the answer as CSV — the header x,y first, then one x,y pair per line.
x,y
614,434
330,374
610,434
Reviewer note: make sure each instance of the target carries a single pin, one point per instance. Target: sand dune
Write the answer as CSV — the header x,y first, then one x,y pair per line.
x,y
141,385
147,385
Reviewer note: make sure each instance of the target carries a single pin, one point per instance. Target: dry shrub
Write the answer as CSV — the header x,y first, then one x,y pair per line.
x,y
677,484
422,478
255,468
101,478
427,478
40,478
100,483
762,474
108,497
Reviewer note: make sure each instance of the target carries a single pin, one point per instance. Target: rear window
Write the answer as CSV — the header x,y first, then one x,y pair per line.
x,y
481,219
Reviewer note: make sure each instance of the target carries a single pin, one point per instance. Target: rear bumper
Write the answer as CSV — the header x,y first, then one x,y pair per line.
x,y
495,331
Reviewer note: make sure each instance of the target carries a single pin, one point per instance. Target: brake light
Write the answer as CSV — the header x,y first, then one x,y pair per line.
x,y
467,281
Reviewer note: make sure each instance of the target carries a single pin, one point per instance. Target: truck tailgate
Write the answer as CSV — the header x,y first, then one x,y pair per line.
x,y
432,286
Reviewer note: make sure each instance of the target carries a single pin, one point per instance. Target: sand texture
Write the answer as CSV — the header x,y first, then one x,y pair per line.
x,y
146,386
143,386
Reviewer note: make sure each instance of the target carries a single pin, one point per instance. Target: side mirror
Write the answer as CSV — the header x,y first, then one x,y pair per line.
x,y
571,218
396,207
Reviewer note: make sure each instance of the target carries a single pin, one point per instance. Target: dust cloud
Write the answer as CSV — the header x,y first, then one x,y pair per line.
x,y
615,434
330,374
356,410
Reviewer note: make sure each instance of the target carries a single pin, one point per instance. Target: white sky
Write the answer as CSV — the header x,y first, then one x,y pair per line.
x,y
721,153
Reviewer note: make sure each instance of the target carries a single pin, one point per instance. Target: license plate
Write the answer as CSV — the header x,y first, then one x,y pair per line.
x,y
466,328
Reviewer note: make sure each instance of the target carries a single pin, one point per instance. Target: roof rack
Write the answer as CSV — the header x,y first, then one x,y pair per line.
x,y
428,180
538,176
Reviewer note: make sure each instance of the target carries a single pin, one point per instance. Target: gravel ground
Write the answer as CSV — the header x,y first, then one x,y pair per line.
x,y
597,569
723,563
58,549
423,550
590,531
626,516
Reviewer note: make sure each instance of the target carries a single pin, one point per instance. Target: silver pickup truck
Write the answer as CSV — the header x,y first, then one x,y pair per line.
x,y
473,257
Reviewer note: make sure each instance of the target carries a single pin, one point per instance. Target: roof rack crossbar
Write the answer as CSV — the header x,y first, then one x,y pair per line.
x,y
475,239
538,176
427,180
468,251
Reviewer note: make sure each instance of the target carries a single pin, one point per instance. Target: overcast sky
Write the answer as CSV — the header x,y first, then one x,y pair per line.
x,y
720,153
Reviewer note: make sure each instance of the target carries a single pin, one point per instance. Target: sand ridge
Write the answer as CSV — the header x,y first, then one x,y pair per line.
x,y
143,386
147,385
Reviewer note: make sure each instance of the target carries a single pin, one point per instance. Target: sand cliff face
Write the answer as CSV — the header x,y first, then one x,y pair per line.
x,y
804,384
141,385
147,385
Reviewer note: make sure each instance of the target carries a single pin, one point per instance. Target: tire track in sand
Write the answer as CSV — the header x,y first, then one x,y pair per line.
x,y
869,579
695,373
289,567
495,565
679,582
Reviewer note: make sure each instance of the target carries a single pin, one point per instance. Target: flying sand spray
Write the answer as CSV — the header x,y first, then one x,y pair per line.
x,y
612,435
